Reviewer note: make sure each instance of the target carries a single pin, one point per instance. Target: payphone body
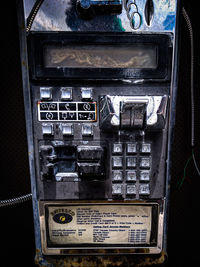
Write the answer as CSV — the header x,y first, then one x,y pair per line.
x,y
100,88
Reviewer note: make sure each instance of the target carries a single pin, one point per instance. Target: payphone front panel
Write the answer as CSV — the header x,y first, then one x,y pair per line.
x,y
101,90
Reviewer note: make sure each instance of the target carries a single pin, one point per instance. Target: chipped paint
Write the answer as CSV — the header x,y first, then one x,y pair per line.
x,y
169,22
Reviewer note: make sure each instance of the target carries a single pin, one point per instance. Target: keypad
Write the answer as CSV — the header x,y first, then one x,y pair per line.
x,y
131,169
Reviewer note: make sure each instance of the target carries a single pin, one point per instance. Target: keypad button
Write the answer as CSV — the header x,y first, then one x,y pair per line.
x,y
131,148
144,176
66,93
131,162
131,176
117,148
67,129
45,93
131,189
117,162
86,93
145,148
117,176
144,189
117,189
47,129
145,162
87,130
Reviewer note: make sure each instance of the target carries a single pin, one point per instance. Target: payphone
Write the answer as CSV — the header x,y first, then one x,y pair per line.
x,y
100,87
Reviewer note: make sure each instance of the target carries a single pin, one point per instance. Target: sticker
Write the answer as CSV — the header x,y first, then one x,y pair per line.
x,y
67,111
100,224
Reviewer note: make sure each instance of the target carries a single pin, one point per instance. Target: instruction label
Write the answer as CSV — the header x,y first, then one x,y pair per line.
x,y
100,224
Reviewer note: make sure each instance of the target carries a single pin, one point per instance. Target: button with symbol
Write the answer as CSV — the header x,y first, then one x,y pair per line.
x,y
116,189
117,148
48,116
117,162
145,162
131,176
145,148
117,176
67,106
131,162
131,189
131,148
144,176
48,106
86,106
67,116
144,189
86,116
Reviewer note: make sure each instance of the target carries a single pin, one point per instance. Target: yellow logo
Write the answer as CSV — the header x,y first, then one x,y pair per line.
x,y
62,218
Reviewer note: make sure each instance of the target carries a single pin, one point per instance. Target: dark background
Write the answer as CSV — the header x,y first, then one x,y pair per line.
x,y
16,223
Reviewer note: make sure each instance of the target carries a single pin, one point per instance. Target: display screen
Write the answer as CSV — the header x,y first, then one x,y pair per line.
x,y
101,56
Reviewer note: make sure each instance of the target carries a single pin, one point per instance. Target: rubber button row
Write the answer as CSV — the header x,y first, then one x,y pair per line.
x,y
66,93
130,189
67,129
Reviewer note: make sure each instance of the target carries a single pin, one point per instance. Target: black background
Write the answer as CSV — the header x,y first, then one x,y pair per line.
x,y
16,223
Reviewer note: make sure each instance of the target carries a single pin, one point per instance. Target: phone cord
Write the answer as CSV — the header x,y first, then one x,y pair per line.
x,y
14,201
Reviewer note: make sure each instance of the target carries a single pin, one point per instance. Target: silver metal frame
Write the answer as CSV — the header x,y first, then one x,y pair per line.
x,y
96,250
24,7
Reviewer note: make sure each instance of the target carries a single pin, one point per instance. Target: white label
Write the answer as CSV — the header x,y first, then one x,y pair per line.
x,y
100,224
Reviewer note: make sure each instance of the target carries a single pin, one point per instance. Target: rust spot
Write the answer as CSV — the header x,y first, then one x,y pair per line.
x,y
100,261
